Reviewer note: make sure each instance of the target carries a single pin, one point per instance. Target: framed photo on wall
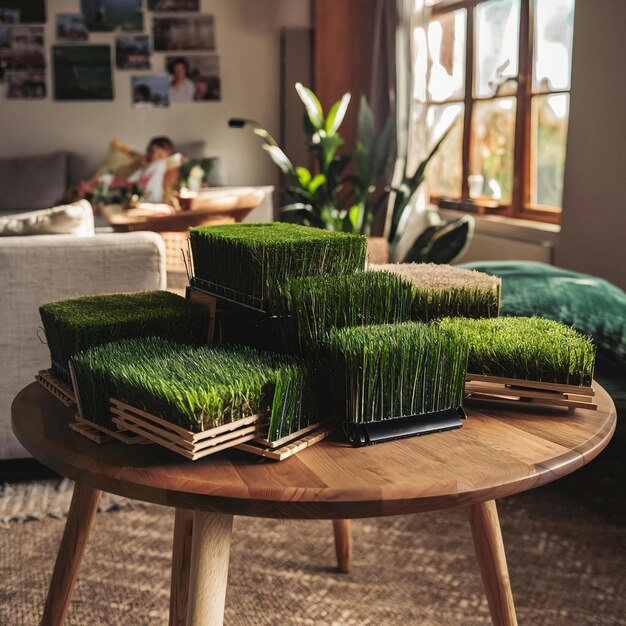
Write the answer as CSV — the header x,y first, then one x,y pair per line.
x,y
71,27
23,11
184,33
82,72
109,15
21,48
150,91
194,77
132,52
26,85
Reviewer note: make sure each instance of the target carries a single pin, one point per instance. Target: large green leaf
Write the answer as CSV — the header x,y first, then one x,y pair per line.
x,y
336,114
312,106
365,122
280,158
304,176
381,148
327,149
316,183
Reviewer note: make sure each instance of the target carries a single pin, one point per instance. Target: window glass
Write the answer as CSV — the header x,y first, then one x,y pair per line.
x,y
492,149
446,48
496,48
444,173
549,116
553,34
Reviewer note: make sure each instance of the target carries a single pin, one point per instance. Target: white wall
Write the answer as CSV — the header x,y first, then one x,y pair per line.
x,y
249,57
593,226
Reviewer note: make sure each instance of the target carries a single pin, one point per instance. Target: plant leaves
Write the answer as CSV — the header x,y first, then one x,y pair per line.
x,y
365,123
336,114
280,158
381,148
354,215
327,149
301,214
316,183
312,106
304,176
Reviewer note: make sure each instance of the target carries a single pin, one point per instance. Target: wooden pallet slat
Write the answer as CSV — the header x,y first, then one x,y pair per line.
x,y
57,387
284,452
527,392
287,438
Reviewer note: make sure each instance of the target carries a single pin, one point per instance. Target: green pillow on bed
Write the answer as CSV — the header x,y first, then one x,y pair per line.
x,y
591,305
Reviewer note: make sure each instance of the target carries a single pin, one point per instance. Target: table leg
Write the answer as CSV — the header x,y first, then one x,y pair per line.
x,y
80,519
210,552
343,544
485,525
181,566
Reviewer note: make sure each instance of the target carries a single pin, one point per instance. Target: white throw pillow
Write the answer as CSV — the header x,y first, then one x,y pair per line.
x,y
68,219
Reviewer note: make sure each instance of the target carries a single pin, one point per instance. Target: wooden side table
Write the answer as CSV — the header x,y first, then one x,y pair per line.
x,y
497,453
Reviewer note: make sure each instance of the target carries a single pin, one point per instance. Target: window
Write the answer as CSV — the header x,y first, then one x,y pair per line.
x,y
502,69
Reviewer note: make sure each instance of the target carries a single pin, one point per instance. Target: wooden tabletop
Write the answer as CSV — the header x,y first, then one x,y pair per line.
x,y
497,452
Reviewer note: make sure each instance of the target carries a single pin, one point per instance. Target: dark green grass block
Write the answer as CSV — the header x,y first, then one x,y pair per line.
x,y
196,388
396,370
80,323
256,260
318,304
528,348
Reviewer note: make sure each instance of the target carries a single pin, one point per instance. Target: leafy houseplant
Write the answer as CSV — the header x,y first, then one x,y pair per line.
x,y
342,191
327,196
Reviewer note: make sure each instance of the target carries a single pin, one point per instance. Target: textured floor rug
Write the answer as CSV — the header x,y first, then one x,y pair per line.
x,y
566,562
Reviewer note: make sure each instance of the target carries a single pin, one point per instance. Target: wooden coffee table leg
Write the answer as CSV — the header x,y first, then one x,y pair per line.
x,y
485,525
77,527
210,553
181,567
343,544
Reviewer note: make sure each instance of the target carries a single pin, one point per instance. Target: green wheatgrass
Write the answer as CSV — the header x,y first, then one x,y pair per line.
x,y
196,388
80,323
394,370
446,291
528,348
318,304
257,259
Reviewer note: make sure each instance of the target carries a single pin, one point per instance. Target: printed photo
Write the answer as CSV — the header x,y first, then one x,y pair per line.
x,y
108,15
82,72
132,53
26,85
9,16
184,33
27,11
21,48
151,91
173,5
194,78
71,27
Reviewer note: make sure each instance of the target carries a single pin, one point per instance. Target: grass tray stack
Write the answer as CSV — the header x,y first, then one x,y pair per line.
x,y
76,324
401,380
446,291
246,267
194,401
527,361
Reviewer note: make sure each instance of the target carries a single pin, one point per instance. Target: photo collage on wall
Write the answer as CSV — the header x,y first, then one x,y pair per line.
x,y
180,51
22,48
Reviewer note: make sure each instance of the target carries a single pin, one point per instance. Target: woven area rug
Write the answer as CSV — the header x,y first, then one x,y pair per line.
x,y
566,563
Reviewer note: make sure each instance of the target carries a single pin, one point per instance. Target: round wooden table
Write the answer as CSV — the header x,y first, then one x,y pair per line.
x,y
497,453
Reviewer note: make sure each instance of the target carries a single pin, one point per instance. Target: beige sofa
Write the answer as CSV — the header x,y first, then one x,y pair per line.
x,y
39,269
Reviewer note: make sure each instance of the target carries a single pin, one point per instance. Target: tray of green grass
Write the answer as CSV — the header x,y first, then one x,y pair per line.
x,y
318,304
446,291
409,374
196,389
526,349
250,263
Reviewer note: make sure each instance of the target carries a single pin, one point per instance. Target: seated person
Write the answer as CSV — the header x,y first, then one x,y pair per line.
x,y
151,177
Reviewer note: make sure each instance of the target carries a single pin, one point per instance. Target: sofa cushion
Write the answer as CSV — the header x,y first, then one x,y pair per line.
x,y
590,304
34,182
69,219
